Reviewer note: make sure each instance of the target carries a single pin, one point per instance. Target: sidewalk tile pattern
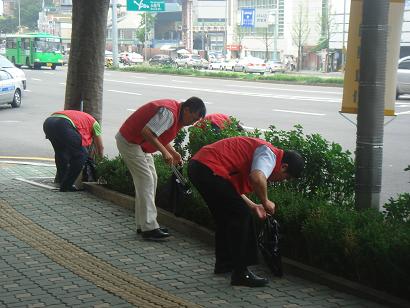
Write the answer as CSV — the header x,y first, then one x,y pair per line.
x,y
62,249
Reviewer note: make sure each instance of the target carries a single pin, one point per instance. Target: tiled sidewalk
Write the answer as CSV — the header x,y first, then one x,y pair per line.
x,y
75,250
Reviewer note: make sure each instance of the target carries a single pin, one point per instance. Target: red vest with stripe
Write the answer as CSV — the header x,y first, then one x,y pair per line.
x,y
131,129
231,159
83,123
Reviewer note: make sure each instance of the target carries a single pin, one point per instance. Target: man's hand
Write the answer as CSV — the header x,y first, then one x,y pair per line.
x,y
269,207
259,211
176,157
168,158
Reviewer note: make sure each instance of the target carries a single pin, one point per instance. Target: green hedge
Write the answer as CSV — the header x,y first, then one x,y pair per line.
x,y
286,78
319,223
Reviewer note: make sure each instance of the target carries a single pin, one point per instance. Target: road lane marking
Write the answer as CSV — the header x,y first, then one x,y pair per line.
x,y
404,112
299,112
206,103
62,83
265,95
124,92
28,91
139,77
181,81
10,121
36,79
284,89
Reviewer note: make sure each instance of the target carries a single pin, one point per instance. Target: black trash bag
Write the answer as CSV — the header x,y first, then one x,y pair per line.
x,y
268,242
174,193
89,172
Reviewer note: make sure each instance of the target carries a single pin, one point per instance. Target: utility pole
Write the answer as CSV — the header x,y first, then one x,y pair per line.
x,y
370,114
343,35
19,30
114,34
276,32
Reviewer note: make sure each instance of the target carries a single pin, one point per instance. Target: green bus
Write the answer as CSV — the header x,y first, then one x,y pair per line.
x,y
34,50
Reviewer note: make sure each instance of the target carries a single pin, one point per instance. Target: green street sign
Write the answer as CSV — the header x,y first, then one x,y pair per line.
x,y
146,5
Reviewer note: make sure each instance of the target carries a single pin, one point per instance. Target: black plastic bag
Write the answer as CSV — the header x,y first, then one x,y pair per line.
x,y
268,242
174,192
89,172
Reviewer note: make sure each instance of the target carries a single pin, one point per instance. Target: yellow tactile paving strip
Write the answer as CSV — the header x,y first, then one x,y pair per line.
x,y
85,265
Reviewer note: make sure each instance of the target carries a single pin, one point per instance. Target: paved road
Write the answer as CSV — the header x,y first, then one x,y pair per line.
x,y
255,104
75,250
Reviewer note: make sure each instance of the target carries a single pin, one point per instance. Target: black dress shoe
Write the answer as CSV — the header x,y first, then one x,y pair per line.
x,y
154,235
248,279
70,189
162,229
223,268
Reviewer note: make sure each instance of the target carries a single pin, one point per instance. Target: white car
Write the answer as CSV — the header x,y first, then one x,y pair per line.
x,y
250,65
17,73
215,65
228,65
403,77
135,58
275,66
11,89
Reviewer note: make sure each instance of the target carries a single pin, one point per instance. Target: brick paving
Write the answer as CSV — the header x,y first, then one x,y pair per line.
x,y
76,250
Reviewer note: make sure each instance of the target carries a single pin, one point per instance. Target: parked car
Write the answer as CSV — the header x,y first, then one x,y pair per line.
x,y
17,73
11,89
188,60
275,66
250,65
216,65
161,60
228,65
403,77
135,58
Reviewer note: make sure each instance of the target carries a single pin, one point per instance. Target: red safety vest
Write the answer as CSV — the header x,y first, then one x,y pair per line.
x,y
231,159
131,129
83,123
219,119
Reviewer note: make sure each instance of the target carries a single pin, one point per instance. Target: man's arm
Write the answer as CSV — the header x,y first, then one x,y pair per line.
x,y
259,185
177,157
150,137
99,144
257,208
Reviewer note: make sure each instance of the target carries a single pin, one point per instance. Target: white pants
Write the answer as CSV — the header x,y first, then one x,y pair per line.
x,y
142,168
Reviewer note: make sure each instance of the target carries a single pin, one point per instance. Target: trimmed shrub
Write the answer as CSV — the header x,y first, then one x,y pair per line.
x,y
329,171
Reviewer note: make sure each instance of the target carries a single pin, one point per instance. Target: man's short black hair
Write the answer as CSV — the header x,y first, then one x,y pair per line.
x,y
295,162
195,104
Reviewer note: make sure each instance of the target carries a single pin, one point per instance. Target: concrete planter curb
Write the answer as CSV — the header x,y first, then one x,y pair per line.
x,y
290,266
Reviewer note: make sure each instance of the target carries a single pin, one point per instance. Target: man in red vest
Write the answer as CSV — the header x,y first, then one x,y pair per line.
x,y
70,133
149,129
218,121
223,172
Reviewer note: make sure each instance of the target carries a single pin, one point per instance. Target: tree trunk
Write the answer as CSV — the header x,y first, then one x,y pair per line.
x,y
87,57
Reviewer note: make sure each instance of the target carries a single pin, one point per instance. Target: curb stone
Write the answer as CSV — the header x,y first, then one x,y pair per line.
x,y
296,268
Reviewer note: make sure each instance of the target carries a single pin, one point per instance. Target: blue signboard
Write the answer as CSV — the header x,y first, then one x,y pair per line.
x,y
248,17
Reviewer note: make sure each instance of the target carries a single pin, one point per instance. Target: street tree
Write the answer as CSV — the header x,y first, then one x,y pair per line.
x,y
327,27
239,33
267,39
8,24
144,30
300,31
84,87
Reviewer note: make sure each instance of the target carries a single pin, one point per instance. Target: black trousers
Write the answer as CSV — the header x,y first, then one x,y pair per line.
x,y
70,155
235,237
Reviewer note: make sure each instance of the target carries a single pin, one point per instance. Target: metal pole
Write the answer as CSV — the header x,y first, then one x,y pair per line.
x,y
343,36
275,42
370,114
19,17
145,36
114,34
